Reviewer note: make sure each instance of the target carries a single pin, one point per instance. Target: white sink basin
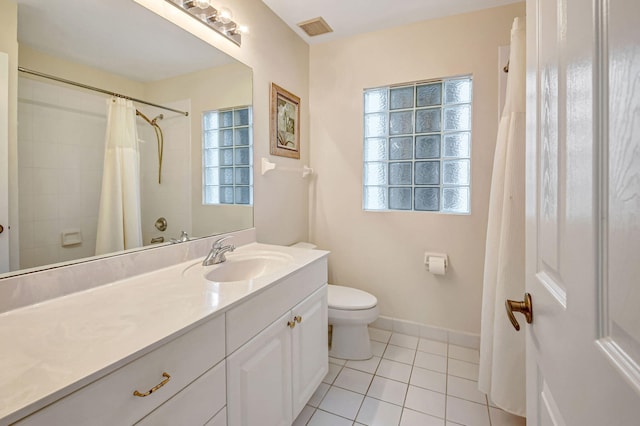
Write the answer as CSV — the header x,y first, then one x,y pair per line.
x,y
242,266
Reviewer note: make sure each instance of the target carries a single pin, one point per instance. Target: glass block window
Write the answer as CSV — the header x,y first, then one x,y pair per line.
x,y
227,156
417,146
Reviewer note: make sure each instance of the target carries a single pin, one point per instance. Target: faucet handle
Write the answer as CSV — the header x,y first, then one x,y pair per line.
x,y
218,243
183,237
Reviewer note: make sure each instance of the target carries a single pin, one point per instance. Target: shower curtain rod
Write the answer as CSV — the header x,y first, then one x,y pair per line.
x,y
95,89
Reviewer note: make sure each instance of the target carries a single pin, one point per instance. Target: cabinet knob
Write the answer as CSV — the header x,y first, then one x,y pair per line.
x,y
155,388
291,324
297,319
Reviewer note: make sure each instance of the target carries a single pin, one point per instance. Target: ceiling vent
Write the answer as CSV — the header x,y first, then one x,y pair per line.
x,y
315,27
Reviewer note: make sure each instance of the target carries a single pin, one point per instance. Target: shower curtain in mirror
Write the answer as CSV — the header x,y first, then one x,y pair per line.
x,y
119,218
502,348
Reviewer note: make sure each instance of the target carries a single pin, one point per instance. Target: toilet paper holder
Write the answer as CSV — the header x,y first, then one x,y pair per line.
x,y
428,255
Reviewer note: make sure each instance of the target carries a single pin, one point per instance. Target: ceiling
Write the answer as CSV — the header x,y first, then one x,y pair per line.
x,y
118,36
122,37
350,17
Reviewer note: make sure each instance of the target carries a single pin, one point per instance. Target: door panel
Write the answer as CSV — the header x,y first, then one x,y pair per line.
x,y
583,210
621,234
548,214
4,161
549,411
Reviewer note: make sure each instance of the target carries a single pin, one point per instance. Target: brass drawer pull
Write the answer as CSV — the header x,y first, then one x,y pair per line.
x,y
291,324
155,388
298,319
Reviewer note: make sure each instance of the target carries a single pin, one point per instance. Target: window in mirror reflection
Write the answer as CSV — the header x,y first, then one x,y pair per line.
x,y
227,156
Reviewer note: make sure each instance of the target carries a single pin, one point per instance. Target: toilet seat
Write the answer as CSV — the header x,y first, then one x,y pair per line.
x,y
349,299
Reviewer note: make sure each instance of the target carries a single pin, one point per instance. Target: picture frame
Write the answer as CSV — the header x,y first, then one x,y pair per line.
x,y
285,123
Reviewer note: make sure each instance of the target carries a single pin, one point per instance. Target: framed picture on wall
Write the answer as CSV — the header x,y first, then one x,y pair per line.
x,y
285,123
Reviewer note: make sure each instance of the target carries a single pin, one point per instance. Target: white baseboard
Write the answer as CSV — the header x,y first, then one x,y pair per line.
x,y
416,329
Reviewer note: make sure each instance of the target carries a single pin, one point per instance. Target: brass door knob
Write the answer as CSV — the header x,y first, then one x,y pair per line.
x,y
524,307
291,324
297,319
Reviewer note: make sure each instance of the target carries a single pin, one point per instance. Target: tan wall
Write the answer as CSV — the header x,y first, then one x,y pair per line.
x,y
42,62
9,45
382,252
221,87
276,54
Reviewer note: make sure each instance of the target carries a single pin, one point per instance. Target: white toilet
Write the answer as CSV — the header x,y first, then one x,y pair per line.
x,y
350,313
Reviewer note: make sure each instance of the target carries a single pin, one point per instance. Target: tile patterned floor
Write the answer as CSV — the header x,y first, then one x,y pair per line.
x,y
410,381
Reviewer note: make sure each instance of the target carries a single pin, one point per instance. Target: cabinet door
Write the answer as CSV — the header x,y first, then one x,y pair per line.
x,y
310,348
259,379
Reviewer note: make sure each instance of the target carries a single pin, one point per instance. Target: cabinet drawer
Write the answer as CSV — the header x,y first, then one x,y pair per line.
x,y
195,404
251,317
110,400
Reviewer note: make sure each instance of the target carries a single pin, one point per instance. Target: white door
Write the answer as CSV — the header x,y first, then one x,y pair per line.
x,y
309,347
583,212
4,162
259,379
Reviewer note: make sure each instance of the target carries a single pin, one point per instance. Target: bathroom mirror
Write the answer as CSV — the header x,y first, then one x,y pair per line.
x,y
122,47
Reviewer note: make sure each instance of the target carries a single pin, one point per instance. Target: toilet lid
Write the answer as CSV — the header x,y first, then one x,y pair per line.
x,y
348,298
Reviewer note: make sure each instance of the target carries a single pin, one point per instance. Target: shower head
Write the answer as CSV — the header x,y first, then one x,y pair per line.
x,y
158,117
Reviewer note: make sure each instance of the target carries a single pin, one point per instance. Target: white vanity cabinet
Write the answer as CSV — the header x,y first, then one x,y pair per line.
x,y
272,376
255,359
110,400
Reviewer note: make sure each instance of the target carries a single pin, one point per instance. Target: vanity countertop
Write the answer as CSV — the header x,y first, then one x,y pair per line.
x,y
53,348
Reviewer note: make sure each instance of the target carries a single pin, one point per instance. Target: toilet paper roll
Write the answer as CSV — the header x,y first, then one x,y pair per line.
x,y
437,265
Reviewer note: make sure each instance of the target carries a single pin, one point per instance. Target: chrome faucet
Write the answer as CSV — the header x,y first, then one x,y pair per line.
x,y
183,238
217,253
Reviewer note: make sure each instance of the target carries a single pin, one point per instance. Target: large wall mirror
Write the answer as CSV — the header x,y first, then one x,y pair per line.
x,y
122,47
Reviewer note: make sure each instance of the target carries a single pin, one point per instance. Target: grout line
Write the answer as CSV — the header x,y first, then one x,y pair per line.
x,y
334,414
446,388
311,416
404,401
360,407
371,382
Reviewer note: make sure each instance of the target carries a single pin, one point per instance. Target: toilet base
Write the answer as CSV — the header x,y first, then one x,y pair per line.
x,y
350,342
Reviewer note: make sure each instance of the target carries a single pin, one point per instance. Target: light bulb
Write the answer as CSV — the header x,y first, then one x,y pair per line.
x,y
240,29
224,15
203,4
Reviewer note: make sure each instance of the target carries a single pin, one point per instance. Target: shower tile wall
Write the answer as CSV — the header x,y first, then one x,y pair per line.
x,y
60,153
61,134
172,198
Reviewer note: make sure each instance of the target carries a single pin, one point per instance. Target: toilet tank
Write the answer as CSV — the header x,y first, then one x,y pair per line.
x,y
304,245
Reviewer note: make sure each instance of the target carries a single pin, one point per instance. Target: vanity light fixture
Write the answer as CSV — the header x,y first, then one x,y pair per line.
x,y
220,20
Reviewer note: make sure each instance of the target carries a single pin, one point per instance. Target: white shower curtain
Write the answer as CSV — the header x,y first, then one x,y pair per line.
x,y
502,348
119,218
